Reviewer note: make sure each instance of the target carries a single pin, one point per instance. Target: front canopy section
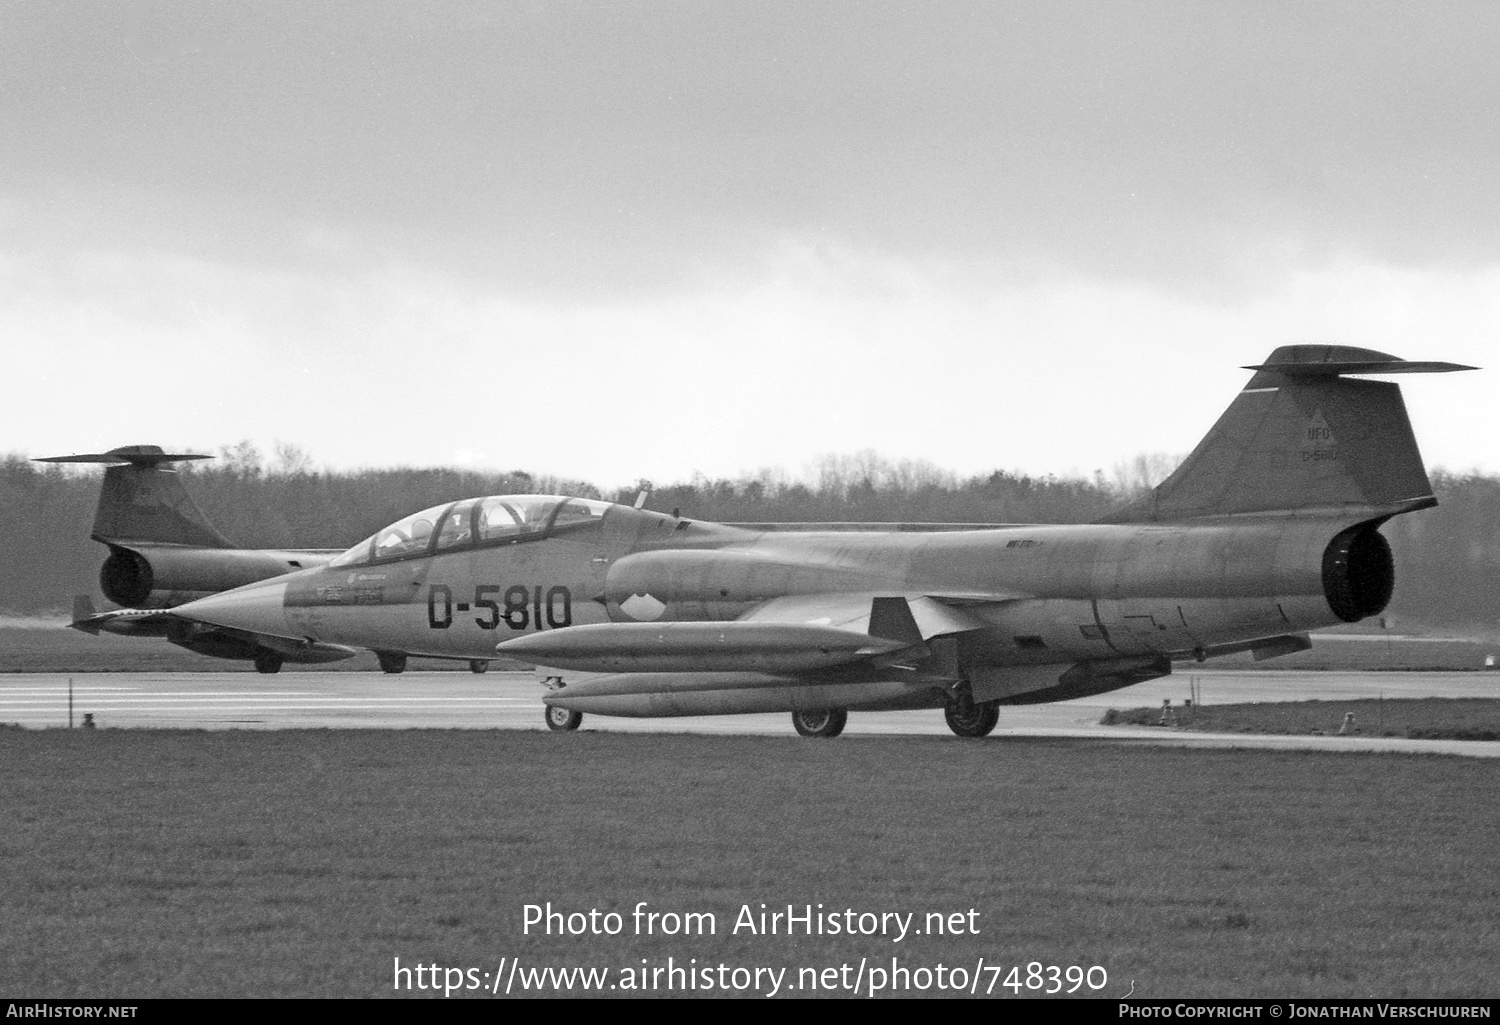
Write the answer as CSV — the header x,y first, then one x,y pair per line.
x,y
475,523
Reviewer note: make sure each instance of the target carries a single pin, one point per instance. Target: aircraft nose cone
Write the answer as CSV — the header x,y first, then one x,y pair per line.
x,y
258,608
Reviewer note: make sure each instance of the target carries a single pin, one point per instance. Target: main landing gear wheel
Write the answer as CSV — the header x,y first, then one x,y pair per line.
x,y
825,722
391,661
268,662
562,720
478,665
970,718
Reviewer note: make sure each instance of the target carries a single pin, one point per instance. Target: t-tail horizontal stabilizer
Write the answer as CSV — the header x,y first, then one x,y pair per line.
x,y
1302,437
142,498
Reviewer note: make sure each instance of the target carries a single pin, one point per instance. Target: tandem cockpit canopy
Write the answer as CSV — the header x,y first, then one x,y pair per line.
x,y
475,523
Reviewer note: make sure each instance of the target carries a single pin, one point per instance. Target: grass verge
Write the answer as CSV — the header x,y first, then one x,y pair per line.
x,y
1419,718
61,650
27,648
154,863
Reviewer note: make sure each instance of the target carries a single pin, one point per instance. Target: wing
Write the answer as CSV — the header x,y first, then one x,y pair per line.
x,y
881,613
789,635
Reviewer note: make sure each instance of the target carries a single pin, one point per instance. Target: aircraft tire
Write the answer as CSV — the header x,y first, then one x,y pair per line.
x,y
971,718
268,662
825,722
478,665
561,720
391,661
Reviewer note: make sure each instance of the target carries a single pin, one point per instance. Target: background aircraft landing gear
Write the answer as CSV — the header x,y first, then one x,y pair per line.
x,y
561,720
825,722
268,662
391,661
969,718
478,665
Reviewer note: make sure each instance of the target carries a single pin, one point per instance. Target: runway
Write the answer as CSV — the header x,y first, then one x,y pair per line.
x,y
512,701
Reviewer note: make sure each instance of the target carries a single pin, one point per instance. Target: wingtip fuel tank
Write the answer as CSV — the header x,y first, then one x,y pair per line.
x,y
692,647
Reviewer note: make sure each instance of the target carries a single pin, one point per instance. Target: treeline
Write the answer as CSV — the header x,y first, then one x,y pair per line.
x,y
1448,559
866,488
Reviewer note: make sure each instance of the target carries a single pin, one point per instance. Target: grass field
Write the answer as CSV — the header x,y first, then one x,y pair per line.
x,y
29,646
1430,718
1378,651
146,863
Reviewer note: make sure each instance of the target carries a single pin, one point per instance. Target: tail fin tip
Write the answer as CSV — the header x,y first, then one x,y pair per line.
x,y
142,498
134,455
1334,360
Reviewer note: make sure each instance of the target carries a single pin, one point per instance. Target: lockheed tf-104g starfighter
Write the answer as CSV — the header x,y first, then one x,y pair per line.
x,y
1269,529
164,552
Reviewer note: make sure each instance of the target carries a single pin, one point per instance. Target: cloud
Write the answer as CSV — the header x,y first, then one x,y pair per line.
x,y
813,348
611,146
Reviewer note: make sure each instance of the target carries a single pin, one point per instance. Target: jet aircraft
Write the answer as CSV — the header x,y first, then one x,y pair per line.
x,y
1269,529
164,552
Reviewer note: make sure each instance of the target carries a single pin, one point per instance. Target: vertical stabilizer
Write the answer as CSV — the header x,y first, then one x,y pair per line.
x,y
143,499
1302,436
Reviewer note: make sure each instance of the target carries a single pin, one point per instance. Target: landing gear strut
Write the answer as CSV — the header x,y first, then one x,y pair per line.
x,y
561,720
825,722
391,661
969,718
268,662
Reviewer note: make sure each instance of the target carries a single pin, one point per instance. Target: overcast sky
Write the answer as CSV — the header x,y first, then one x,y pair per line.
x,y
614,240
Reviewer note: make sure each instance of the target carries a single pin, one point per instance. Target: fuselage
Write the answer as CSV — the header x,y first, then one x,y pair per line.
x,y
1043,594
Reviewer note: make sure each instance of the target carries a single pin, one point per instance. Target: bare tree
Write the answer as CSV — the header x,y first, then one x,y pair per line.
x,y
291,460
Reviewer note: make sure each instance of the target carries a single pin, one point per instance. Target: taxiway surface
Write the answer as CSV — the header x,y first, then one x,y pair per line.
x,y
504,700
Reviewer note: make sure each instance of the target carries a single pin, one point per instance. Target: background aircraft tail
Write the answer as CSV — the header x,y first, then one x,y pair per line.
x,y
143,499
1301,436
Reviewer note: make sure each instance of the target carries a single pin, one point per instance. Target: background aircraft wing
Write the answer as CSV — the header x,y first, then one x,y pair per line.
x,y
203,638
141,622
